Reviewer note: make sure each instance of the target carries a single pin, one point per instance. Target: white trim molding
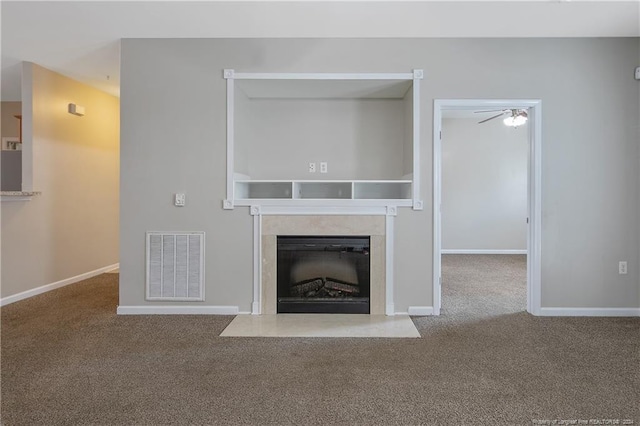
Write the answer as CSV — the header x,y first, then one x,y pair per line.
x,y
18,195
178,310
322,211
62,283
230,74
420,310
534,191
481,251
590,312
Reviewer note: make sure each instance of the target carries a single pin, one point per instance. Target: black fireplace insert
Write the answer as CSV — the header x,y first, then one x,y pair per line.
x,y
323,274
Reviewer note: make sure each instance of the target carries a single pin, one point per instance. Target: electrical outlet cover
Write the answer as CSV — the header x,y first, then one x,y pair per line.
x,y
622,267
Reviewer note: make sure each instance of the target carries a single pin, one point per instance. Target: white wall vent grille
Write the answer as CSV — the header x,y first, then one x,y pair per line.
x,y
175,266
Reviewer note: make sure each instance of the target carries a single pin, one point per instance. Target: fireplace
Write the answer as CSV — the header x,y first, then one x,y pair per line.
x,y
272,227
323,274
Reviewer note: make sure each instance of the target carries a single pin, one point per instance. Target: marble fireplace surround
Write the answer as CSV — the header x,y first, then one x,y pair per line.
x,y
377,227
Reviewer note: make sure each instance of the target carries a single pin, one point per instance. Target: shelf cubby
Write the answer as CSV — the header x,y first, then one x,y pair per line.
x,y
399,190
263,190
323,190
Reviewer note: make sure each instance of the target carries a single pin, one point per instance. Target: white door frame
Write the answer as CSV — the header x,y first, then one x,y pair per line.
x,y
534,187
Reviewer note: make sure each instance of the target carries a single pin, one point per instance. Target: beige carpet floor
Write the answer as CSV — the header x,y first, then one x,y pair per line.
x,y
67,359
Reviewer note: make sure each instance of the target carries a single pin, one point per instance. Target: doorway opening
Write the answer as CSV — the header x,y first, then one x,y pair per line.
x,y
503,109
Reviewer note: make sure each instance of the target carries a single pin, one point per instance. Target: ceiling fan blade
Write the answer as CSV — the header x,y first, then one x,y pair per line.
x,y
491,110
491,118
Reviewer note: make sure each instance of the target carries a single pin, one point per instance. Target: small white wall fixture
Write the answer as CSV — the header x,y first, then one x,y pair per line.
x,y
534,188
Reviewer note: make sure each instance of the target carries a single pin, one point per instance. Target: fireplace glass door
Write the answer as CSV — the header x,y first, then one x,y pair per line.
x,y
323,274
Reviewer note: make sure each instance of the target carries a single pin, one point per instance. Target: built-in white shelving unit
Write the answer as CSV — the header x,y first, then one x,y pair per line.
x,y
249,192
365,125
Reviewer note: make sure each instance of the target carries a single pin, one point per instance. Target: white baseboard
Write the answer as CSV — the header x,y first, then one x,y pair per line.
x,y
418,311
178,310
48,287
590,312
481,251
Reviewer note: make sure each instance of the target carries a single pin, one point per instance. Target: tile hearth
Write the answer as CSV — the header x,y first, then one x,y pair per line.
x,y
321,325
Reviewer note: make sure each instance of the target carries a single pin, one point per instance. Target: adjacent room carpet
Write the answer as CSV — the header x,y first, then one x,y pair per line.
x,y
67,358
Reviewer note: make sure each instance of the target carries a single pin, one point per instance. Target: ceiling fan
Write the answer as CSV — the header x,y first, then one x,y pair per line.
x,y
515,117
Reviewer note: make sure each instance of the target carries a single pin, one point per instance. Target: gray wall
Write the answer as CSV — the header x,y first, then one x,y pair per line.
x,y
359,139
484,185
590,163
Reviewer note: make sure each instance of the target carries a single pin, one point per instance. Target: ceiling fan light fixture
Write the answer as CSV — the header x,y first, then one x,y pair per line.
x,y
515,120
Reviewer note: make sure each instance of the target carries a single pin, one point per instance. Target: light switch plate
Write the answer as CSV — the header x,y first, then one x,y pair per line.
x,y
179,200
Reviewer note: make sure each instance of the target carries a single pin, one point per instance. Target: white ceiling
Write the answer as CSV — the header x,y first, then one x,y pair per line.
x,y
80,39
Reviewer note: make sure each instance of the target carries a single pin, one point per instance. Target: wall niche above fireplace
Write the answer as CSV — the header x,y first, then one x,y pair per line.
x,y
323,274
365,127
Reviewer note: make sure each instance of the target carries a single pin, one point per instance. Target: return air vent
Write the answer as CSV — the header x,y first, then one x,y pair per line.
x,y
175,266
